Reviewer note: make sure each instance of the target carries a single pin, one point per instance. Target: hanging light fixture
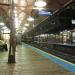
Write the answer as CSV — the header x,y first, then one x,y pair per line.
x,y
15,1
40,3
27,24
38,8
30,19
2,23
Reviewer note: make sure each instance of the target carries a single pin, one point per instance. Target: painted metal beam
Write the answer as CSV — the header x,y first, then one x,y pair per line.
x,y
3,4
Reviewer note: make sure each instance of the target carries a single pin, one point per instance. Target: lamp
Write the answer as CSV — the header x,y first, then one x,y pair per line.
x,y
2,23
15,1
40,3
27,24
30,19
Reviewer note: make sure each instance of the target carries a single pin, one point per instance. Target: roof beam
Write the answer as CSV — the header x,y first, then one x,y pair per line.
x,y
57,1
3,4
65,5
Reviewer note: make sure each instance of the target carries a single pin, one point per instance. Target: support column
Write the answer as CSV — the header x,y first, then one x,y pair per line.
x,y
71,37
0,34
12,48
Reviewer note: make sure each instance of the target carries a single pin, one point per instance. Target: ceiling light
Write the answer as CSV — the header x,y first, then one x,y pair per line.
x,y
73,21
6,31
24,28
23,3
26,24
15,12
15,1
61,32
40,3
30,18
4,27
38,8
2,24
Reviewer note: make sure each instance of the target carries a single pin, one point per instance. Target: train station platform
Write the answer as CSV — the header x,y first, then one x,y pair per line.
x,y
31,61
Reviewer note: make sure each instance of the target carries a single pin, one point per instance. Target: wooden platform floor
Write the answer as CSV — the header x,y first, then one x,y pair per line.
x,y
29,62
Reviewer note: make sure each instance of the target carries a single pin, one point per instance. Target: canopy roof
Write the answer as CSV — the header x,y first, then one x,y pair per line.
x,y
25,8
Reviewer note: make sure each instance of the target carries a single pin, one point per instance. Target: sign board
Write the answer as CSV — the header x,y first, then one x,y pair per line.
x,y
45,13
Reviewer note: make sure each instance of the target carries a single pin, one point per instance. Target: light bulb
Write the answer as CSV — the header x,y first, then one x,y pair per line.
x,y
30,19
40,3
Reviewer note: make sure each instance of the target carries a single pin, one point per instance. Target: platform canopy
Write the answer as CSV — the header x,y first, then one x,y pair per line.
x,y
25,8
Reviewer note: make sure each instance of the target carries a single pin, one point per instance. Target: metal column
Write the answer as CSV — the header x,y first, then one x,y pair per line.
x,y
12,48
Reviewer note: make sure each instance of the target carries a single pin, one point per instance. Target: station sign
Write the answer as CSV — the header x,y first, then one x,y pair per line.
x,y
45,13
